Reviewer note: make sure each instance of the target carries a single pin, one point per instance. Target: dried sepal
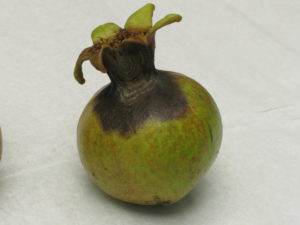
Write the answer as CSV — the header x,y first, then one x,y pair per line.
x,y
138,28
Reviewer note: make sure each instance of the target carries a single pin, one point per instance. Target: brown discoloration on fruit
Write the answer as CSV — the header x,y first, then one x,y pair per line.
x,y
164,159
138,91
150,135
158,201
210,134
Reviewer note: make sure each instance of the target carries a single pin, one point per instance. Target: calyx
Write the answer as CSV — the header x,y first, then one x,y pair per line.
x,y
138,28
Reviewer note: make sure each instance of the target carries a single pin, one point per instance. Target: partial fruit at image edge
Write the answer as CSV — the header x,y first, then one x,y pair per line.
x,y
149,135
0,143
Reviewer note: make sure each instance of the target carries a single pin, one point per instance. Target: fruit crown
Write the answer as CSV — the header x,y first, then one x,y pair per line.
x,y
138,28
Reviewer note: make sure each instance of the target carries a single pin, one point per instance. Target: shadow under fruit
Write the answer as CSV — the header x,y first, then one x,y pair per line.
x,y
149,135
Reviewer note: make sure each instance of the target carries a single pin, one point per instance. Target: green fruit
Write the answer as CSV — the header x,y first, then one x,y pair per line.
x,y
150,135
0,143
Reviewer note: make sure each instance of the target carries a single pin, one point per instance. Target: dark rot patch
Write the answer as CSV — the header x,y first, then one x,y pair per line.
x,y
210,134
137,92
158,201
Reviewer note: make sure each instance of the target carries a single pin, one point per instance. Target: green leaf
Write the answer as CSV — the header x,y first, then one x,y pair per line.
x,y
104,31
141,20
170,18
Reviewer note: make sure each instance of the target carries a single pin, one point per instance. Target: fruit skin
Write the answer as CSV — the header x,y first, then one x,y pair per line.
x,y
149,136
0,143
162,161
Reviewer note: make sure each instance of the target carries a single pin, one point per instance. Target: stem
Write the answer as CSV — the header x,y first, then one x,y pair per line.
x,y
131,62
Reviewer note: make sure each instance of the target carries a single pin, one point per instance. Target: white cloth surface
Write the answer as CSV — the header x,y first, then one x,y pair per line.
x,y
246,53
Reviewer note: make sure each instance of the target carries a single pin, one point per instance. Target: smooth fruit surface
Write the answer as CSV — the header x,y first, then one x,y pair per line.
x,y
0,143
162,161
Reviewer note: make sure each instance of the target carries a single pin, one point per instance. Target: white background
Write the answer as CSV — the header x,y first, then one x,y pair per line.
x,y
246,53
